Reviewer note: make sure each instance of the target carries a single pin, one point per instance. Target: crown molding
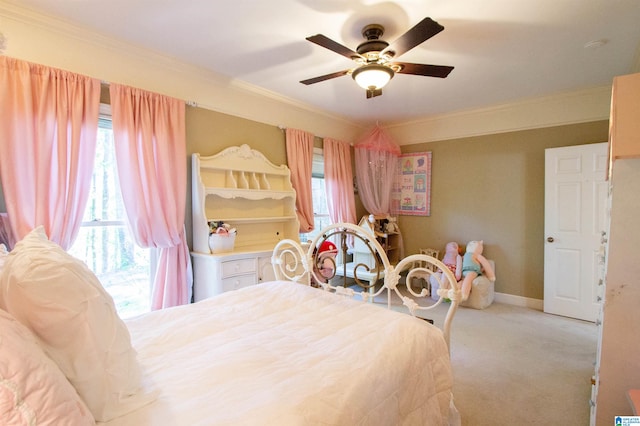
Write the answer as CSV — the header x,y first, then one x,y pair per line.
x,y
36,37
40,38
561,109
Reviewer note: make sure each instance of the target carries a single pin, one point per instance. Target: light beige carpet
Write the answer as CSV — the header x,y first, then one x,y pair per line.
x,y
519,366
515,366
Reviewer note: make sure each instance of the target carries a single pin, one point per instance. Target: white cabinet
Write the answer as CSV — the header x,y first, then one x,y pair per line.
x,y
616,370
265,269
619,347
239,186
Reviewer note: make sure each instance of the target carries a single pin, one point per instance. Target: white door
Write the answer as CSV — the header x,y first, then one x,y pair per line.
x,y
575,218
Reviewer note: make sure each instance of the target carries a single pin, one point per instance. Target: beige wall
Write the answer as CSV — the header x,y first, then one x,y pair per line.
x,y
500,201
486,187
491,188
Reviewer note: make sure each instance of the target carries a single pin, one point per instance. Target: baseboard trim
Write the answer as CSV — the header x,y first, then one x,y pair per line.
x,y
525,302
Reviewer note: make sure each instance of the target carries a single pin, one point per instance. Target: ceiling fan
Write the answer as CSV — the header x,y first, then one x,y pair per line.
x,y
374,57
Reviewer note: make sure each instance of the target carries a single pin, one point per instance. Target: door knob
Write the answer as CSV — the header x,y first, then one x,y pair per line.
x,y
550,239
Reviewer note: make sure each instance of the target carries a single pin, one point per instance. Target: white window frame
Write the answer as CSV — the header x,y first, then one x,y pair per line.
x,y
105,114
317,172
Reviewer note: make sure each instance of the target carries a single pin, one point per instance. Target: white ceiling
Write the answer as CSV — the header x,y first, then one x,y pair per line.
x,y
502,50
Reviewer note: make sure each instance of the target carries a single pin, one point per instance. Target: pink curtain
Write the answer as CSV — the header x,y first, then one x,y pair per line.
x,y
338,179
48,131
376,162
6,234
149,134
300,159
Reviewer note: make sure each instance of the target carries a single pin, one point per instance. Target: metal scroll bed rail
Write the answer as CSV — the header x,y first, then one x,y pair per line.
x,y
324,263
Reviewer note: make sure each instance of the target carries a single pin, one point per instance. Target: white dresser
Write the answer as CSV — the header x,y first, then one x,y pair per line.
x,y
240,187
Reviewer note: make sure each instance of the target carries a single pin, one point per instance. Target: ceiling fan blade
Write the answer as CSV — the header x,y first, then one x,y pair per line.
x,y
440,71
324,77
334,46
422,31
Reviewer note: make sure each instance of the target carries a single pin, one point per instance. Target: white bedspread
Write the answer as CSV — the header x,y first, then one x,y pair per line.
x,y
285,354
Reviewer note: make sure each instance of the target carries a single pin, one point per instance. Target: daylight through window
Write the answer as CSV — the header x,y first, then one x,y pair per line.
x,y
321,217
104,242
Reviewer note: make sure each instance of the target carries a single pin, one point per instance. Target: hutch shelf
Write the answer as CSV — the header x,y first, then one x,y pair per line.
x,y
240,187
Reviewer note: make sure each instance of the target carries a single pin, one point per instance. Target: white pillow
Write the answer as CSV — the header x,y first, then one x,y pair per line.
x,y
65,306
33,390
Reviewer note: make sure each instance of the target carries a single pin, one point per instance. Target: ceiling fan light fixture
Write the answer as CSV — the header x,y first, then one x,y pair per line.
x,y
372,76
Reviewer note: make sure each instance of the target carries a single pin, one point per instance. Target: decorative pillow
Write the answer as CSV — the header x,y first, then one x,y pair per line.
x,y
75,320
33,390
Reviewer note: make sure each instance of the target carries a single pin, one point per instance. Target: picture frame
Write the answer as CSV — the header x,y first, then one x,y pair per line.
x,y
411,191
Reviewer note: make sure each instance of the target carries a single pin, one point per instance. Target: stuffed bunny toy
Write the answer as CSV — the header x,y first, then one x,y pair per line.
x,y
473,265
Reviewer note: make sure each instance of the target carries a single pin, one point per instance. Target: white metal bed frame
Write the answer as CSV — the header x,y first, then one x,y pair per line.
x,y
292,263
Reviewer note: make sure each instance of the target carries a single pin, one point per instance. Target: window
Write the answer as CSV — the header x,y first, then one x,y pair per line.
x,y
321,217
104,242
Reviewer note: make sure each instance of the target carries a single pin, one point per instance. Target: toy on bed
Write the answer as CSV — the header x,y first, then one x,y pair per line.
x,y
453,261
474,264
292,263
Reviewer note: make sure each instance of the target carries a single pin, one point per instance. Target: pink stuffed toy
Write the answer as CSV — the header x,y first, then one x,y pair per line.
x,y
326,255
453,260
474,264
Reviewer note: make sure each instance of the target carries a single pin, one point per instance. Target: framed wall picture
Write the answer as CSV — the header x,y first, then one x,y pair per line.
x,y
411,192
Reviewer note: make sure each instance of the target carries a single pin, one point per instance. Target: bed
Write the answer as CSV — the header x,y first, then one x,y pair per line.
x,y
278,353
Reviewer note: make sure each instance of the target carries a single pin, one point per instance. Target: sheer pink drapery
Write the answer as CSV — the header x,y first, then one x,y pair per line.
x,y
376,163
300,159
149,134
48,131
338,180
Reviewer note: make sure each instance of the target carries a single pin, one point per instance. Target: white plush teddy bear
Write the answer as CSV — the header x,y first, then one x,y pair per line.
x,y
391,227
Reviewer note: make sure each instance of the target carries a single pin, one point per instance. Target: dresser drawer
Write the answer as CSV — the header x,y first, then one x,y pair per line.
x,y
231,268
235,283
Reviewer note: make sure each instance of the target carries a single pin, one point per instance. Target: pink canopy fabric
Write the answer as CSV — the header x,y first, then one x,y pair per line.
x,y
48,131
150,138
300,160
338,179
376,162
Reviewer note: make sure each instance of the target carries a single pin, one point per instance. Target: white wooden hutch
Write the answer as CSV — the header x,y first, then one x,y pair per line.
x,y
241,187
